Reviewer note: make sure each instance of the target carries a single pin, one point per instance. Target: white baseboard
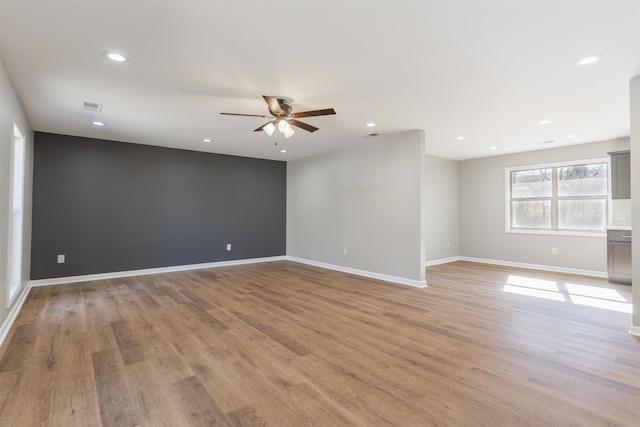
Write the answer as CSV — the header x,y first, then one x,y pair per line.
x,y
13,313
441,261
634,330
593,273
130,273
372,275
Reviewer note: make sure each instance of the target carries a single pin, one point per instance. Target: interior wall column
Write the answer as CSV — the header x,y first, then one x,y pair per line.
x,y
635,201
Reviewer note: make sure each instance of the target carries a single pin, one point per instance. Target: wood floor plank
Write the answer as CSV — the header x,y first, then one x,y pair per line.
x,y
275,334
198,403
98,319
11,389
286,344
129,343
246,416
230,390
143,290
154,396
169,286
117,407
277,301
21,344
72,399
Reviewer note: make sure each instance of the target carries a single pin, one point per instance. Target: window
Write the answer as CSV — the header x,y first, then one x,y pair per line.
x,y
569,197
17,203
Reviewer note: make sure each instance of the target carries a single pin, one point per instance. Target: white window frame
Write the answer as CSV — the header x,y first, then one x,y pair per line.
x,y
16,213
588,233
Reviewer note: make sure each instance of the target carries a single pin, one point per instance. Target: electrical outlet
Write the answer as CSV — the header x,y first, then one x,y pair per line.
x,y
448,244
344,251
61,259
554,251
228,246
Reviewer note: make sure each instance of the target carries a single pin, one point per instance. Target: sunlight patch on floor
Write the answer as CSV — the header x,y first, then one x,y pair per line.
x,y
532,292
592,296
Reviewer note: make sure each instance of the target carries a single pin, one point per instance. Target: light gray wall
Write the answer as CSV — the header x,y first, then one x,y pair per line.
x,y
366,199
482,213
441,208
635,197
10,108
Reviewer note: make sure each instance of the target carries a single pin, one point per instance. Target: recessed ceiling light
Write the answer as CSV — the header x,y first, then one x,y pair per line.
x,y
207,140
460,138
493,148
115,56
283,151
97,123
544,122
589,59
370,125
571,136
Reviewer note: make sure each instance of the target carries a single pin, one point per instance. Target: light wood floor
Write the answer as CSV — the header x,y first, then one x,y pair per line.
x,y
284,344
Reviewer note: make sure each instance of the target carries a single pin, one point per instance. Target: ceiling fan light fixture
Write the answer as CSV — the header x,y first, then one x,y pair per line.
x,y
269,129
288,132
285,128
283,125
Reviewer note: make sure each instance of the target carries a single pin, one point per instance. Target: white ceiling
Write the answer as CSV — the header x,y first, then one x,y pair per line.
x,y
489,71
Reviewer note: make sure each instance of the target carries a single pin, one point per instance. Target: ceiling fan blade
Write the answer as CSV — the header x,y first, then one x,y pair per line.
x,y
246,115
274,105
304,126
263,126
325,112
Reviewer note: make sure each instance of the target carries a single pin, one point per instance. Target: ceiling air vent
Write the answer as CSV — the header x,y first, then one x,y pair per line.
x,y
544,142
92,106
370,135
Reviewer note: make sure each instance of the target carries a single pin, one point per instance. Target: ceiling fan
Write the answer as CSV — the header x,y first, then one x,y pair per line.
x,y
283,117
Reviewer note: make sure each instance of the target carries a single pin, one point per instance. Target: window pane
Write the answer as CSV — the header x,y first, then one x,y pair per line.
x,y
582,214
531,214
17,208
531,183
583,180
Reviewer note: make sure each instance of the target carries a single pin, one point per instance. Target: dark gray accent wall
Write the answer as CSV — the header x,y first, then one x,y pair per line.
x,y
111,206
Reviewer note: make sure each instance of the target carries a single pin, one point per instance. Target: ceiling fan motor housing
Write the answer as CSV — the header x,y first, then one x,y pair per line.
x,y
286,108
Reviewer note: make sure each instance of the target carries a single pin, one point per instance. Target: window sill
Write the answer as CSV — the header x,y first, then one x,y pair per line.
x,y
602,234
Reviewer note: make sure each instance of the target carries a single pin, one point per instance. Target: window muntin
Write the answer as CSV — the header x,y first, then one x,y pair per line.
x,y
560,197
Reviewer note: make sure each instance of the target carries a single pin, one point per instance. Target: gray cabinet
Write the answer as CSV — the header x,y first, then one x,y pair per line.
x,y
620,175
619,256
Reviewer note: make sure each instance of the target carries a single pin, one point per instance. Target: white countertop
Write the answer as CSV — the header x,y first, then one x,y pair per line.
x,y
619,227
